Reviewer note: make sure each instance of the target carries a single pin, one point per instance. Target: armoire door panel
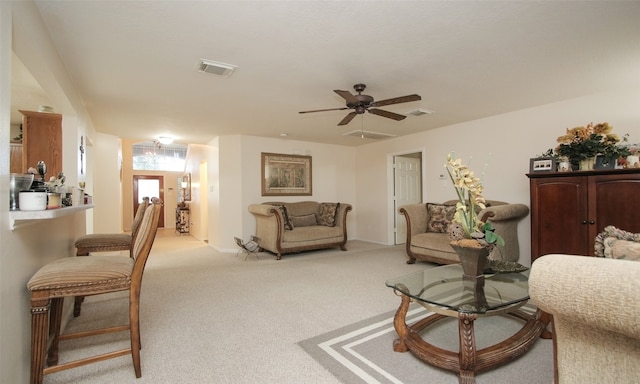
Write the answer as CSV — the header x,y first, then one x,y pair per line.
x,y
559,227
616,201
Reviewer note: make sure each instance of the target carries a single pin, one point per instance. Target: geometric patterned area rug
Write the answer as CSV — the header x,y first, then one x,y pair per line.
x,y
363,352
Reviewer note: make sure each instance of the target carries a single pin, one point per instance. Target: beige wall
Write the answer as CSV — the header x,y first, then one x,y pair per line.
x,y
199,204
233,182
360,176
505,143
26,248
498,148
107,196
171,191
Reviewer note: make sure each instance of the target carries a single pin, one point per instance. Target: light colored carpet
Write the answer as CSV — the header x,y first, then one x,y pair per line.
x,y
209,317
363,353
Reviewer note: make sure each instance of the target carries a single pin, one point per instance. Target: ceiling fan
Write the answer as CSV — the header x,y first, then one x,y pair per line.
x,y
364,103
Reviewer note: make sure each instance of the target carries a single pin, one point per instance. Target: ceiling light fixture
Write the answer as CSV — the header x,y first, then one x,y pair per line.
x,y
420,112
165,140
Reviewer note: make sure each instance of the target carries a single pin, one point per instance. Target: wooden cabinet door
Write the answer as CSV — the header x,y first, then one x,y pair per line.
x,y
15,159
613,201
559,220
42,140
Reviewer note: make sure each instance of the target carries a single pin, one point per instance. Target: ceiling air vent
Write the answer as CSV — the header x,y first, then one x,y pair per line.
x,y
216,68
368,134
420,112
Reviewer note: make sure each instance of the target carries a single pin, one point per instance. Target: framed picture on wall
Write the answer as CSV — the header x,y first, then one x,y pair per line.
x,y
286,175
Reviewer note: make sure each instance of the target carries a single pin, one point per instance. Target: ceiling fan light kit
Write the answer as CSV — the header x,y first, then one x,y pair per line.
x,y
364,103
368,134
420,112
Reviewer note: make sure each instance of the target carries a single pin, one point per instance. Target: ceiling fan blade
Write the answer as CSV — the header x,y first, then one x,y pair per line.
x,y
390,115
396,100
347,96
348,118
323,110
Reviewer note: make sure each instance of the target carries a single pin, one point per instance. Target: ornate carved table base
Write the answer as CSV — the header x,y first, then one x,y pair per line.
x,y
469,360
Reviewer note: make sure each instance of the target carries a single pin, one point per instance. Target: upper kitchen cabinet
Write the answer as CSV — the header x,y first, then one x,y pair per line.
x,y
42,140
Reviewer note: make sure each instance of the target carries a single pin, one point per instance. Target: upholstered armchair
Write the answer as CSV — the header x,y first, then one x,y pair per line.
x,y
427,238
595,308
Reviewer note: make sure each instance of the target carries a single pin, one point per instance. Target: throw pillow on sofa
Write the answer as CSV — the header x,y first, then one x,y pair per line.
x,y
285,217
304,221
621,249
327,214
440,216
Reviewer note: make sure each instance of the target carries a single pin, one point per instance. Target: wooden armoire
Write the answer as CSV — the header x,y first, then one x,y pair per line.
x,y
568,209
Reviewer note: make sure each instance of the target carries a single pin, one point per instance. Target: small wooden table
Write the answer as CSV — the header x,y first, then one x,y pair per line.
x,y
444,291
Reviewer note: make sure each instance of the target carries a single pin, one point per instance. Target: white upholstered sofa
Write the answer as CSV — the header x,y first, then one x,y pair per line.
x,y
300,226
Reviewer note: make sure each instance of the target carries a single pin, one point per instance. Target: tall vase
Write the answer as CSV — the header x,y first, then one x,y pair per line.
x,y
473,259
587,164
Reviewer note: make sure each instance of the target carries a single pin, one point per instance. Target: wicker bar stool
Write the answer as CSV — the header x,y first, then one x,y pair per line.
x,y
85,276
107,242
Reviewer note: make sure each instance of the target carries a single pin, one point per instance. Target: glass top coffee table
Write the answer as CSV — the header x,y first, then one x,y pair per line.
x,y
444,291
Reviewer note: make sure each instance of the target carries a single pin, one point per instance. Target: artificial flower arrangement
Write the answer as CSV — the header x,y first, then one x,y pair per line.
x,y
582,143
466,227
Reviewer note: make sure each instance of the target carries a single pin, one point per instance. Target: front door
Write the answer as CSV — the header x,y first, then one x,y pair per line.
x,y
148,186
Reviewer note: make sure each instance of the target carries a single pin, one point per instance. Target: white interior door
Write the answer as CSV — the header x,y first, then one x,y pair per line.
x,y
407,175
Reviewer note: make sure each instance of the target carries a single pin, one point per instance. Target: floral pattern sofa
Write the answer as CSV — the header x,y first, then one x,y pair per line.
x,y
300,226
427,224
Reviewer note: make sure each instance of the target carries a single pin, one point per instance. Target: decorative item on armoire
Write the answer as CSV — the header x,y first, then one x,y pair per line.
x,y
582,144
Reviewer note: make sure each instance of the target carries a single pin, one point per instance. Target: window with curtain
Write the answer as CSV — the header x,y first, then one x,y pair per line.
x,y
153,156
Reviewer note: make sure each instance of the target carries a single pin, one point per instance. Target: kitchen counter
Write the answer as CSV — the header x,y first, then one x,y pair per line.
x,y
21,218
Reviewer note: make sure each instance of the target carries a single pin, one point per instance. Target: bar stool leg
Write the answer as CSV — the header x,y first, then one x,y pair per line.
x,y
40,305
55,322
134,329
77,304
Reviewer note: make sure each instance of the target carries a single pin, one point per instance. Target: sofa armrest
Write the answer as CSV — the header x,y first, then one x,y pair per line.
x,y
505,212
504,219
262,209
593,291
417,218
269,226
341,215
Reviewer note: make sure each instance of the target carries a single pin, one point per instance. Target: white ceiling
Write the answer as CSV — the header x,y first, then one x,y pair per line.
x,y
134,62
